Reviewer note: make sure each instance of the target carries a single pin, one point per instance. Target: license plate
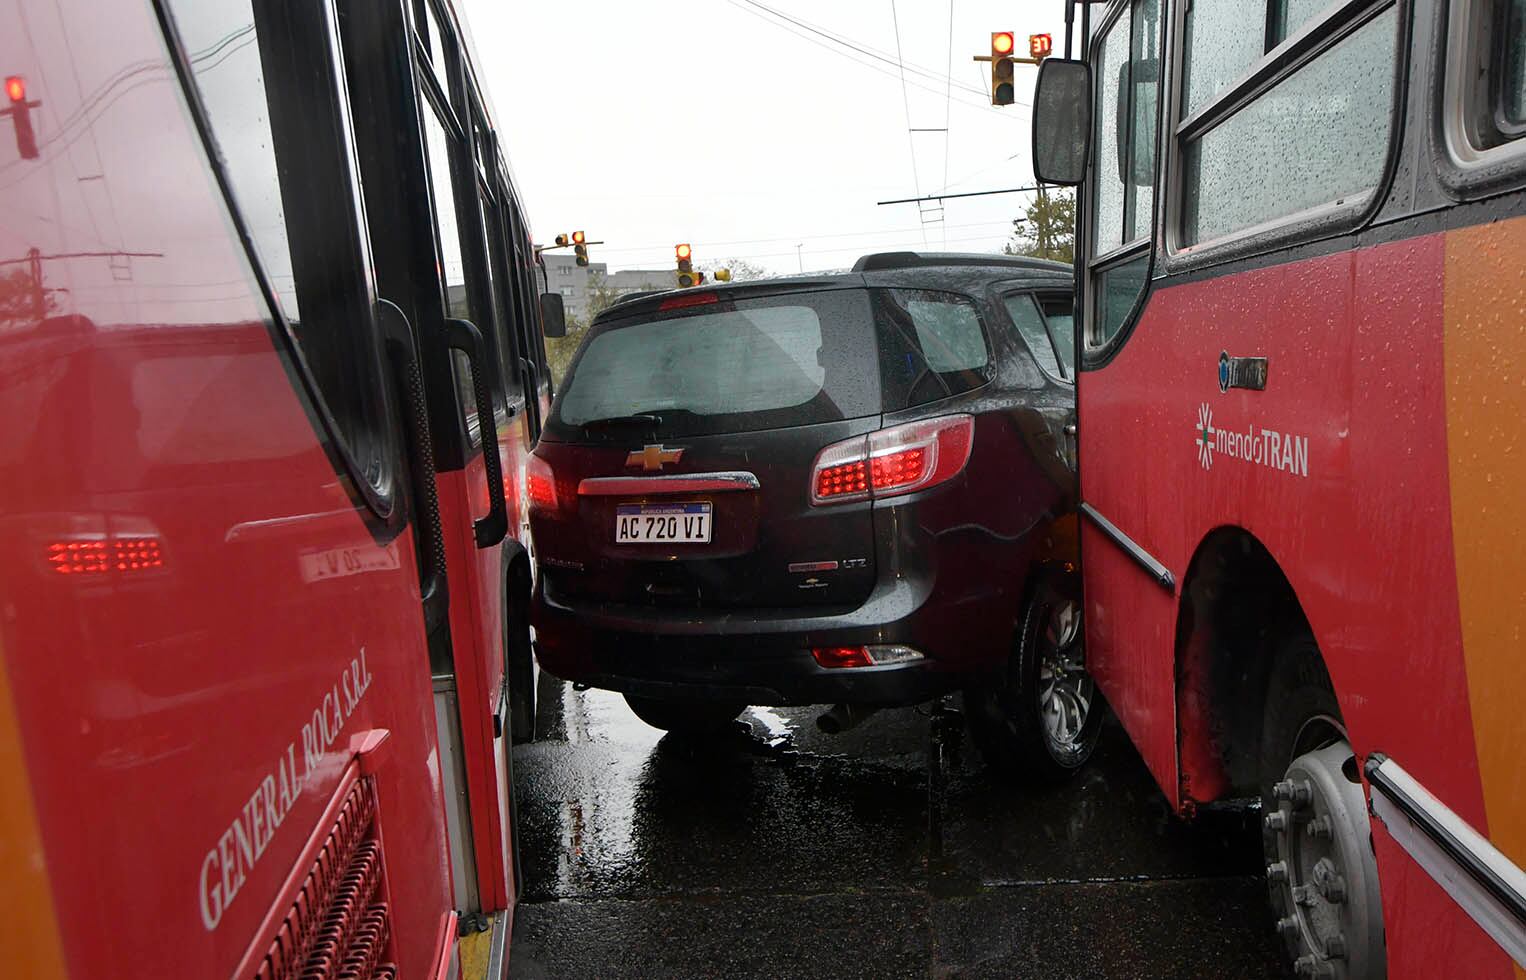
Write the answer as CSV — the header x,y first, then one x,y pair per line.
x,y
662,523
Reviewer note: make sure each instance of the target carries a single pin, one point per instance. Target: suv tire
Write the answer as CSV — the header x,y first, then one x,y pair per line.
x,y
685,717
1041,717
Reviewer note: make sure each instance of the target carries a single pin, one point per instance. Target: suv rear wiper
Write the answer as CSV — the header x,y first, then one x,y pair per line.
x,y
617,421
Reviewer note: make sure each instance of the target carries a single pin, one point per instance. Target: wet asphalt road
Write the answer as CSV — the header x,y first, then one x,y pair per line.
x,y
781,852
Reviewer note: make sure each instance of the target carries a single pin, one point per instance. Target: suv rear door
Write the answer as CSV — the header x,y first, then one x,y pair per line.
x,y
714,406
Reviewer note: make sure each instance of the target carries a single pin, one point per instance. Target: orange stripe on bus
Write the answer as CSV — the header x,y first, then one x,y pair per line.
x,y
28,926
1485,345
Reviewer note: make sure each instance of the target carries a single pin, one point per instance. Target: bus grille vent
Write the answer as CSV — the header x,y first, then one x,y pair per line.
x,y
339,928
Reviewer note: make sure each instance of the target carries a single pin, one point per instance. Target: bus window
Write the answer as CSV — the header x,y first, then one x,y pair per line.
x,y
459,301
1489,45
1128,80
1288,16
1220,49
1513,100
268,86
1319,137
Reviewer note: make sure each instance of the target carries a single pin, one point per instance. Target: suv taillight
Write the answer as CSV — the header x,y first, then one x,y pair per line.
x,y
893,461
540,486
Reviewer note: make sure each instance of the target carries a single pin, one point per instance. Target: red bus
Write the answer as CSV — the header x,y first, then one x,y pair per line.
x,y
270,362
1302,434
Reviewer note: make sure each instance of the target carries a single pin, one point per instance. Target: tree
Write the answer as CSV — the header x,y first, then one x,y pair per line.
x,y
559,350
741,270
20,294
1049,231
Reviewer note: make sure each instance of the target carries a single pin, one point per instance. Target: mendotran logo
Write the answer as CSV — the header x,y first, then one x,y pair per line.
x,y
1275,450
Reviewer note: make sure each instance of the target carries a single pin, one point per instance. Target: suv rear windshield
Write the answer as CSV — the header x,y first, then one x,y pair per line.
x,y
734,366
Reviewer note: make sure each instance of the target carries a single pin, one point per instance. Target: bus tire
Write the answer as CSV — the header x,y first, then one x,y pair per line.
x,y
685,717
1040,717
1322,876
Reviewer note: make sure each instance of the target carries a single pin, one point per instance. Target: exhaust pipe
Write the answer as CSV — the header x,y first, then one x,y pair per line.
x,y
842,717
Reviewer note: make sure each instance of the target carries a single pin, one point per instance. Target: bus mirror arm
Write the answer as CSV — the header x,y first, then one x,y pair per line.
x,y
463,335
402,355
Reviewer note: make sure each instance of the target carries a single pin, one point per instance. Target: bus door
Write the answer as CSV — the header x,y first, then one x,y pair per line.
x,y
411,84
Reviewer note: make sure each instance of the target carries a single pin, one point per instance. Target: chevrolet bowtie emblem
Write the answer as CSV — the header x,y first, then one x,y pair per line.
x,y
651,458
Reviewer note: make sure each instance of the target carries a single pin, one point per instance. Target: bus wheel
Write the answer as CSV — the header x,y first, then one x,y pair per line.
x,y
684,717
1321,874
1042,716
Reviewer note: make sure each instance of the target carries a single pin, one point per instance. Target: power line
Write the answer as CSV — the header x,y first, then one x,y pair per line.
x,y
860,47
784,238
984,106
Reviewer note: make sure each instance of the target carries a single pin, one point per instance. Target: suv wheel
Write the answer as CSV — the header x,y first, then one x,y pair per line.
x,y
684,716
1041,717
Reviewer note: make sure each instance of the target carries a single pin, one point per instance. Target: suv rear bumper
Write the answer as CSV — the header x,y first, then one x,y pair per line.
x,y
760,657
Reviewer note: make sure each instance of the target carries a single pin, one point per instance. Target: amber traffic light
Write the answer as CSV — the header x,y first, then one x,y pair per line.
x,y
686,275
1001,68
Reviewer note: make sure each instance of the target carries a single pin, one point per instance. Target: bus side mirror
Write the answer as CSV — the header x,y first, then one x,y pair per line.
x,y
1062,122
553,315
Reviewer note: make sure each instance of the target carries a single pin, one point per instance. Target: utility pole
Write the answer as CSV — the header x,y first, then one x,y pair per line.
x,y
798,257
1043,223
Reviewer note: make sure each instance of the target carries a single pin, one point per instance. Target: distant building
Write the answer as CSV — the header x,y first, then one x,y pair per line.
x,y
575,282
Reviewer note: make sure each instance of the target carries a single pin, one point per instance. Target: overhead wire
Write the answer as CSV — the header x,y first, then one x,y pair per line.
x,y
747,6
656,246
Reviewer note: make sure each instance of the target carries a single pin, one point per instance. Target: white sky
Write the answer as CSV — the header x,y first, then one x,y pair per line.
x,y
717,123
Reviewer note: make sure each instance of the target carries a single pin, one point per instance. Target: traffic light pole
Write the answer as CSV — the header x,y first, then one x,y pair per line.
x,y
941,197
551,248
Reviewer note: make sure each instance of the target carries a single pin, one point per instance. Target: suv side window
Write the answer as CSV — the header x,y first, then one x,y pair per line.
x,y
932,346
271,92
1047,327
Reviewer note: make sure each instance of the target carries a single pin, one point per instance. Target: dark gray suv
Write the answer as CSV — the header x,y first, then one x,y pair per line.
x,y
852,489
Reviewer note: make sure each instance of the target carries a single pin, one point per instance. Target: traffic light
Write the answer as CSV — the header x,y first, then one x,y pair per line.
x,y
686,275
578,248
561,241
21,116
1040,46
1001,68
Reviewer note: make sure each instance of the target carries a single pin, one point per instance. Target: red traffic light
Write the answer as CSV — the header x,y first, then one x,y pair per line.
x,y
1001,43
578,238
15,88
1040,46
683,251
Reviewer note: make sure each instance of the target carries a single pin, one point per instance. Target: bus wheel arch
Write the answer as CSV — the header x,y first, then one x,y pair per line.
x,y
1236,609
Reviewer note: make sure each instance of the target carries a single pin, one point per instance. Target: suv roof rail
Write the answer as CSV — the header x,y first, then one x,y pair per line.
x,y
914,260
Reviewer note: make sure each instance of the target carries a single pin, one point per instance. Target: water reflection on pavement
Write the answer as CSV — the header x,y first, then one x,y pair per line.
x,y
776,851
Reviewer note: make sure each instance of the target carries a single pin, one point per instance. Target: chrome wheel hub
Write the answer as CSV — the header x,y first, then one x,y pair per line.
x,y
1066,691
